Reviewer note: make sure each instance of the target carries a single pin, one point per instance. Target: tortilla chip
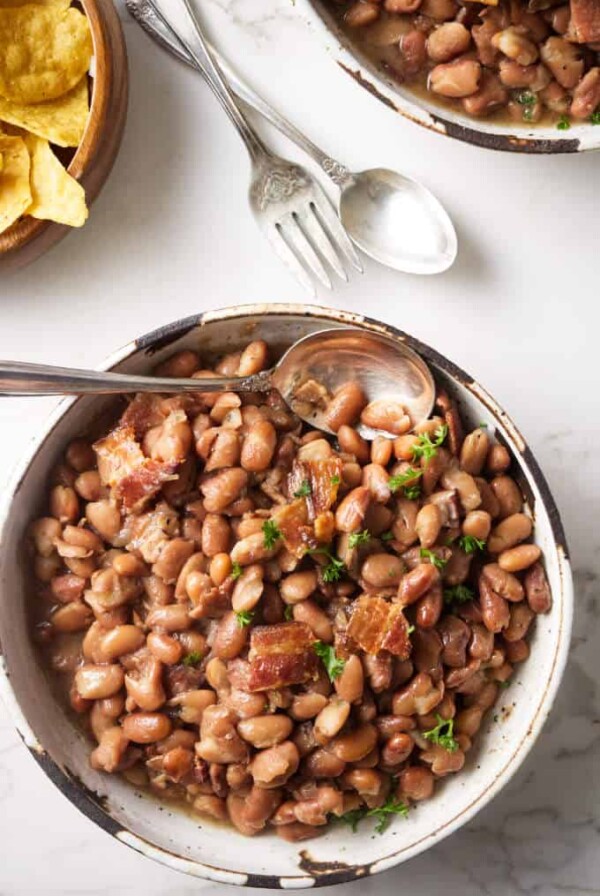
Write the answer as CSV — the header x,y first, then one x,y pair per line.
x,y
61,121
15,193
46,51
56,196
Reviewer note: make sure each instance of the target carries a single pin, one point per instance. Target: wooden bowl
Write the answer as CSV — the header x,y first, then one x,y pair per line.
x,y
28,238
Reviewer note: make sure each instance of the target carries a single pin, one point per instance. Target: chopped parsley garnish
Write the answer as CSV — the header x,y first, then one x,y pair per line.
x,y
443,734
505,684
192,659
244,618
426,447
407,481
526,98
528,113
358,538
595,116
335,569
433,558
333,664
387,536
288,613
470,544
304,491
335,480
458,594
392,806
271,533
236,571
482,425
410,629
563,123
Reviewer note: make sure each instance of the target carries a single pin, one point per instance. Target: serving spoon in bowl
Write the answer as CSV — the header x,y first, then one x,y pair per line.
x,y
391,217
382,367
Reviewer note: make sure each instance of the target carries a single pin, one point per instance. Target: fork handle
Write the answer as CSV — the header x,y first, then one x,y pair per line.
x,y
21,378
197,46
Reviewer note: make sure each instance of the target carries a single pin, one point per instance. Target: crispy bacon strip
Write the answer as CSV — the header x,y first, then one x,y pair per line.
x,y
281,655
584,26
323,478
377,625
136,488
133,477
144,412
292,522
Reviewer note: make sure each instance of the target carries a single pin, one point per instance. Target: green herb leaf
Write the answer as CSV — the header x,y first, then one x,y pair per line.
x,y
412,492
244,618
443,734
335,480
304,491
288,613
459,594
595,116
528,112
404,480
335,569
482,425
526,98
333,664
358,538
271,533
563,123
470,544
392,806
410,630
504,684
387,536
353,817
433,558
236,571
192,659
426,447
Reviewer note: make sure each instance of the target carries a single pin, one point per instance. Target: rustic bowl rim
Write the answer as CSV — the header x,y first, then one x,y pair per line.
x,y
534,141
101,85
93,807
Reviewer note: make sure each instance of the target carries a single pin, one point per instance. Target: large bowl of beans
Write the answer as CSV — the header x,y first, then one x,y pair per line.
x,y
517,75
269,657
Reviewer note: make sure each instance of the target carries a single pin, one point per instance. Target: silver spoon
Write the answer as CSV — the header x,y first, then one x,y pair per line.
x,y
383,368
391,217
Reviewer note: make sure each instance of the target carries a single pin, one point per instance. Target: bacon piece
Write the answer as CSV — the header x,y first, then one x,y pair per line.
x,y
281,655
149,533
452,420
144,412
118,455
584,26
377,625
292,522
144,482
323,478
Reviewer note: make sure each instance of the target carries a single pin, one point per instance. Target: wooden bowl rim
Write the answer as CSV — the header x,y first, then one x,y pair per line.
x,y
27,229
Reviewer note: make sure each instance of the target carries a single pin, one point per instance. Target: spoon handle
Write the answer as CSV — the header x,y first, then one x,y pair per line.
x,y
19,378
162,32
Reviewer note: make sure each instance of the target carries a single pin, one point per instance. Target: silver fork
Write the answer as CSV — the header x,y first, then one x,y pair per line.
x,y
287,202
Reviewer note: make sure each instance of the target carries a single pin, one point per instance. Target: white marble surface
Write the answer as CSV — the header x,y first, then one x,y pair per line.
x,y
171,235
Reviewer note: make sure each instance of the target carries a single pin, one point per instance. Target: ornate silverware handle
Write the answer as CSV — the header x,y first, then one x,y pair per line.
x,y
158,27
18,378
197,47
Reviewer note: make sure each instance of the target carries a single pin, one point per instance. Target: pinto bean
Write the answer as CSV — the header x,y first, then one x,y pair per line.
x,y
427,648
517,651
514,43
331,719
308,612
354,745
352,509
376,479
254,358
537,589
259,446
72,617
164,647
416,782
386,415
429,608
417,582
481,644
477,523
459,78
307,706
489,502
223,488
510,532
455,635
428,524
381,451
230,638
465,485
586,96
494,609
298,586
352,443
105,518
272,767
449,40
248,588
265,731
519,558
95,682
490,96
474,450
382,570
504,583
350,684
120,640
110,751
172,618
508,494
349,400
401,6
564,59
419,696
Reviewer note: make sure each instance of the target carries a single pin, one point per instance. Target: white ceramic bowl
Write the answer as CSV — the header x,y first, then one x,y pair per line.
x,y
205,850
479,132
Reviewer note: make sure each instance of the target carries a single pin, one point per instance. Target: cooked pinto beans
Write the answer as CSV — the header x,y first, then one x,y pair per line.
x,y
493,58
270,634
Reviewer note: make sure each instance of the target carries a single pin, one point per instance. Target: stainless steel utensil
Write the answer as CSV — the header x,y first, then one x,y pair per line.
x,y
287,202
392,217
382,367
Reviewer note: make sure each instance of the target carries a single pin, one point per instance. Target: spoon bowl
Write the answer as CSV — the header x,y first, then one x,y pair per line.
x,y
398,221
